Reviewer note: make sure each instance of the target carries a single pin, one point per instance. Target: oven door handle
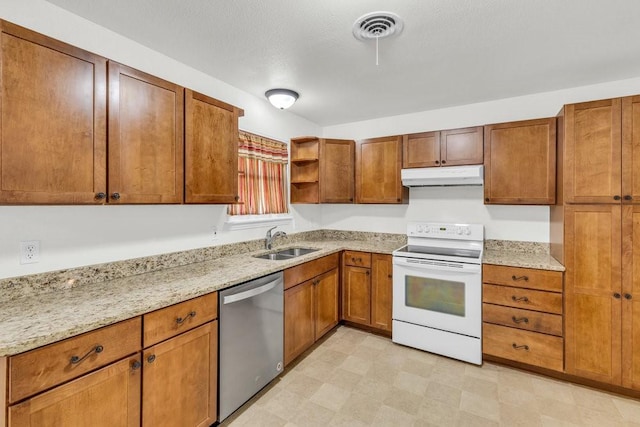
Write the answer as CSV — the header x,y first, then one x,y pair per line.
x,y
466,269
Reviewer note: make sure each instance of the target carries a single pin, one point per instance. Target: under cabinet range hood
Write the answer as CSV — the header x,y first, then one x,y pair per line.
x,y
443,176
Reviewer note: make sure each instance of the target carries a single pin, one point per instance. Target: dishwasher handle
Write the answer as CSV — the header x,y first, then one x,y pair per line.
x,y
230,299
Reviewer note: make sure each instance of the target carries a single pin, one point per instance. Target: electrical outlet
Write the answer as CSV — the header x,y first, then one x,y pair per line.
x,y
29,251
214,234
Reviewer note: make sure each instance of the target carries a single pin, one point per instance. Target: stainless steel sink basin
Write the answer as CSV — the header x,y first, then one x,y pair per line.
x,y
294,252
286,254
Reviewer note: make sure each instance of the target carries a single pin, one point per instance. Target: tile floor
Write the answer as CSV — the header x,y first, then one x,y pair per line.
x,y
353,379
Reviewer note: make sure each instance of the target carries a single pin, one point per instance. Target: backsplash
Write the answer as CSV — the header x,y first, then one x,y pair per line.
x,y
72,277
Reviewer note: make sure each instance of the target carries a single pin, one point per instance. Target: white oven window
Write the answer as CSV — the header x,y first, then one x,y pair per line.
x,y
442,296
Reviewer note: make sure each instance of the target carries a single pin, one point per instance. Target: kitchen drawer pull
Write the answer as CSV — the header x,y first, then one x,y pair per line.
x,y
136,365
628,197
628,296
181,320
616,295
517,278
354,259
76,359
520,347
519,319
518,299
151,358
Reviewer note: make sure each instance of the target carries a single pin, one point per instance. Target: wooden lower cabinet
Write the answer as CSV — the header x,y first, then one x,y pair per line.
x,y
107,397
311,307
367,289
522,316
180,379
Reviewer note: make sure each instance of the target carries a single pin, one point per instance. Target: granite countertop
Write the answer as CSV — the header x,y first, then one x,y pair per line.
x,y
42,309
40,318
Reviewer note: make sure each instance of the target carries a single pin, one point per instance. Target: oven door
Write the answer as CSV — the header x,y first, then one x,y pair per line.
x,y
438,294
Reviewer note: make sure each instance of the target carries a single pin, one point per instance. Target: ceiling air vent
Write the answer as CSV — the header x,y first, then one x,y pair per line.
x,y
377,25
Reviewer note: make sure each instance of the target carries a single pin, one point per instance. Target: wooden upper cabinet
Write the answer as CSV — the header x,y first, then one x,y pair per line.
x,y
211,150
452,147
52,121
631,149
337,163
421,150
593,299
322,170
520,162
378,165
146,147
462,146
592,151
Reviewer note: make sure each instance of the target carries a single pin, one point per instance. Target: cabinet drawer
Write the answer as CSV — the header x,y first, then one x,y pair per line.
x,y
523,346
523,319
522,277
357,259
168,322
303,272
550,302
45,367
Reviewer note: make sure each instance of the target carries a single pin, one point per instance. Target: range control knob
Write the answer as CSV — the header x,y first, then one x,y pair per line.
x,y
467,231
420,228
459,230
427,230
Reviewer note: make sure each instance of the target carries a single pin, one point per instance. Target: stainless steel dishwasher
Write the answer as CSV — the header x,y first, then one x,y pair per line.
x,y
251,340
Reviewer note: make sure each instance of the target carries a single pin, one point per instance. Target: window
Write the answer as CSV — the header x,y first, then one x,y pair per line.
x,y
262,176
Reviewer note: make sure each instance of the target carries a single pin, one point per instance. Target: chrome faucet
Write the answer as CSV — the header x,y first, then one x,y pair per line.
x,y
269,239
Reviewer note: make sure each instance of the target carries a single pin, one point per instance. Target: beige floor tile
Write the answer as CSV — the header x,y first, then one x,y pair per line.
x,y
485,407
466,419
352,378
445,394
516,416
344,379
330,396
391,417
411,383
403,401
628,408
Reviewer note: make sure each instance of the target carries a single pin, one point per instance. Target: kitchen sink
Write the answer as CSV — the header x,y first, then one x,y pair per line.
x,y
286,254
294,252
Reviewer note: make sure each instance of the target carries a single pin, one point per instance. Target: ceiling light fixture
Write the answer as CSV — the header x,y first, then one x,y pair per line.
x,y
281,98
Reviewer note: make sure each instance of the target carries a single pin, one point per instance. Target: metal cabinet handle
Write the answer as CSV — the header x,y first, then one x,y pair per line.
x,y
628,197
236,198
101,196
76,359
487,199
520,347
628,296
151,358
518,299
443,162
519,319
136,365
437,162
115,196
181,320
316,281
368,272
390,276
518,278
616,197
616,295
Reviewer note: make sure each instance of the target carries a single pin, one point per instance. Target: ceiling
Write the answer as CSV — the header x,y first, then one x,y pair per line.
x,y
451,52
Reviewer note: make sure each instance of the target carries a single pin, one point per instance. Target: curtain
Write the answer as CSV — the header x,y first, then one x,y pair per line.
x,y
262,176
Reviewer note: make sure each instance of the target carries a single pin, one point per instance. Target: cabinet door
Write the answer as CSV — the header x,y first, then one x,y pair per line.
x,y
326,300
593,292
381,291
146,147
593,162
299,320
52,121
462,146
337,163
631,296
421,150
520,162
378,165
631,149
180,379
107,397
211,150
356,295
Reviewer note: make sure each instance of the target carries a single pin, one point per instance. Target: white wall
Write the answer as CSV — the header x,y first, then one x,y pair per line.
x,y
462,204
82,235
